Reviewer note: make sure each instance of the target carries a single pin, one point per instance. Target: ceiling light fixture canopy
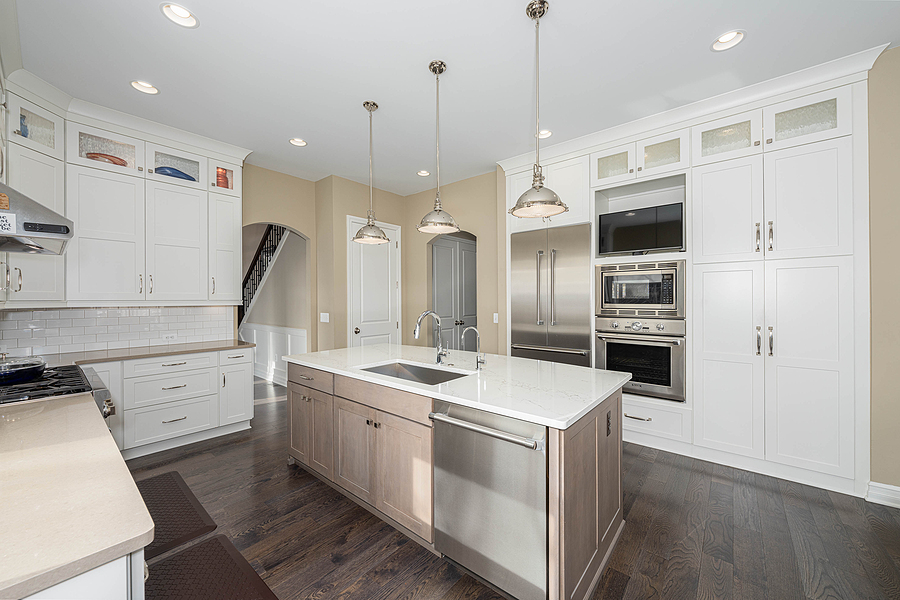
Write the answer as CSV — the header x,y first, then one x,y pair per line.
x,y
438,220
370,233
538,201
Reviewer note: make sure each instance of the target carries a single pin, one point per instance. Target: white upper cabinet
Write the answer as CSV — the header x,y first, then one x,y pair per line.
x,y
664,153
224,178
105,258
100,149
42,178
569,179
808,119
224,248
809,351
809,200
728,210
35,128
174,166
516,185
612,166
723,139
177,243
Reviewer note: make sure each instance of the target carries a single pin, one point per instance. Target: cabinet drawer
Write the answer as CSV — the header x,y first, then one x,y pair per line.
x,y
673,423
313,378
157,423
230,357
159,389
396,402
170,364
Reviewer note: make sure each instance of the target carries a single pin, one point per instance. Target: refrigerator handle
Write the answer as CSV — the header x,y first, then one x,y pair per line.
x,y
539,255
553,287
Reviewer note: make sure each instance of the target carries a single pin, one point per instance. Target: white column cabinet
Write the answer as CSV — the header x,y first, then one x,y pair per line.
x,y
42,178
236,393
728,210
728,340
225,222
105,258
177,243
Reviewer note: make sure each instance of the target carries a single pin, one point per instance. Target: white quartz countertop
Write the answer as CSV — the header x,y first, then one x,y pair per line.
x,y
536,391
67,500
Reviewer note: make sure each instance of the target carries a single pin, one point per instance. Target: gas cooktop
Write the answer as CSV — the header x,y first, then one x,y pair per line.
x,y
56,381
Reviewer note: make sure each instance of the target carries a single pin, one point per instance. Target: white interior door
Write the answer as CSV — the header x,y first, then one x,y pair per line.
x,y
809,364
373,287
177,243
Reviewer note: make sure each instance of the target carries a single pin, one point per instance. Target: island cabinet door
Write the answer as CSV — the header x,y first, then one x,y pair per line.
x,y
321,432
404,490
299,409
354,448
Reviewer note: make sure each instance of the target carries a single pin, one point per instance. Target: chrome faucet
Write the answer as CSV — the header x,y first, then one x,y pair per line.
x,y
437,319
479,357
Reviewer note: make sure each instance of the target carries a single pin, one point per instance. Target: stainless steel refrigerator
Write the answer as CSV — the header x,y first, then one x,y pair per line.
x,y
550,288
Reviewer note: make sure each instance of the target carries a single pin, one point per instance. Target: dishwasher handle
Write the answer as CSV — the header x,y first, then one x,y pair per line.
x,y
518,440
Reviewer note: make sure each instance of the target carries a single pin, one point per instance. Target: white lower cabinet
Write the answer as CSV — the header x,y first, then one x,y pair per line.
x,y
172,419
236,393
661,418
119,579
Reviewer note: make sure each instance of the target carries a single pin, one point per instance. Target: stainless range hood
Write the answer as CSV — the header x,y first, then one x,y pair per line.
x,y
28,226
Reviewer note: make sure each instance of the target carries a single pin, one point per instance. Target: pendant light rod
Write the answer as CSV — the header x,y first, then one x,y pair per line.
x,y
371,107
537,92
437,67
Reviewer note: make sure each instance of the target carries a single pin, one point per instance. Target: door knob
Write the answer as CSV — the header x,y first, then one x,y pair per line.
x,y
356,331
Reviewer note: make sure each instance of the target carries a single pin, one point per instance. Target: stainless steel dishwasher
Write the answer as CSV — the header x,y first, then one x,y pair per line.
x,y
490,497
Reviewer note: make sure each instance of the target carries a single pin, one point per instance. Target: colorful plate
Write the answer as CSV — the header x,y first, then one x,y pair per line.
x,y
107,158
173,172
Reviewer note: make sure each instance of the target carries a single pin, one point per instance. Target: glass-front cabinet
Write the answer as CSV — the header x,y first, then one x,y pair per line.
x,y
175,166
613,165
808,119
663,153
100,149
36,128
224,178
732,137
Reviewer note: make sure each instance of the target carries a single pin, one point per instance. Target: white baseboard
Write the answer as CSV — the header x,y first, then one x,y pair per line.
x,y
882,493
271,344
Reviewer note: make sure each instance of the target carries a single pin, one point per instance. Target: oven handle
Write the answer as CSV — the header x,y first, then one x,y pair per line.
x,y
646,340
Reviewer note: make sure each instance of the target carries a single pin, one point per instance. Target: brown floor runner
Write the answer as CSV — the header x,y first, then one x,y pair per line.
x,y
210,570
177,515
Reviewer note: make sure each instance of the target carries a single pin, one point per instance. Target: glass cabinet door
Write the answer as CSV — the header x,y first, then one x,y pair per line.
x,y
224,178
174,166
732,137
663,153
612,166
808,119
36,128
100,149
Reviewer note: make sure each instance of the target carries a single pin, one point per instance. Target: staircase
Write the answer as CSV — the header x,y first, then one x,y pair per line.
x,y
265,253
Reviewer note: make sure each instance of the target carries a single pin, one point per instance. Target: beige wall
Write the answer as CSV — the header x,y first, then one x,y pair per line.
x,y
284,300
884,214
251,235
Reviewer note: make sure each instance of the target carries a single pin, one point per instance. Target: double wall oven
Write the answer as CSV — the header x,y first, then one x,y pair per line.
x,y
640,327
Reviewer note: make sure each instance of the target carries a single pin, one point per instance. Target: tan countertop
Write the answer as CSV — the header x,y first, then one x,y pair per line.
x,y
68,503
101,356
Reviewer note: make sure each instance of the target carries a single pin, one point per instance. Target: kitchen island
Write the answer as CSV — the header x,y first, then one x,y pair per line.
x,y
513,470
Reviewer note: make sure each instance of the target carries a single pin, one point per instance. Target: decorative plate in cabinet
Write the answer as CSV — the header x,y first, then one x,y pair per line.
x,y
36,128
174,166
225,178
100,149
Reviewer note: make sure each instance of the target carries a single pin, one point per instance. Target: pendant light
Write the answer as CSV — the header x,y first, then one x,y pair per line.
x,y
538,201
438,220
370,233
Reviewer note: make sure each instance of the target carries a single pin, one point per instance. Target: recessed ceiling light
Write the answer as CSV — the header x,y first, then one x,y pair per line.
x,y
423,173
545,133
727,40
179,15
298,142
143,86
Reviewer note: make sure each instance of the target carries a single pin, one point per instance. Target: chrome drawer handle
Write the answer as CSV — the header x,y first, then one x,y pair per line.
x,y
771,235
648,419
758,340
758,237
237,356
305,377
176,387
771,341
174,364
173,420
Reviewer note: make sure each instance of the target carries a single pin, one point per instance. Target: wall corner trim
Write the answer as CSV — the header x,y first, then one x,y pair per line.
x,y
882,493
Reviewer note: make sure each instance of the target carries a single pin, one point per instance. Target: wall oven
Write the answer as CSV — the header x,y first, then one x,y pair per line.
x,y
640,289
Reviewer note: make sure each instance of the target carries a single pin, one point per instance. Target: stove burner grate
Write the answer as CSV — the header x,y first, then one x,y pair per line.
x,y
56,381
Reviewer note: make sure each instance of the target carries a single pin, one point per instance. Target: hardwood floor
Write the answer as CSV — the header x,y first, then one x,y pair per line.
x,y
693,530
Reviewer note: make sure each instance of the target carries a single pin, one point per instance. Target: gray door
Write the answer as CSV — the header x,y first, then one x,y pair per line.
x,y
569,280
454,289
528,288
468,295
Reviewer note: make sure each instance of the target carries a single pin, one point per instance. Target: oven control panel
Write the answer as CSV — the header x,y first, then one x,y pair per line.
x,y
640,326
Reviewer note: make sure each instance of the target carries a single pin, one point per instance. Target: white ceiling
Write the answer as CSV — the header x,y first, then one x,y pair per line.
x,y
256,73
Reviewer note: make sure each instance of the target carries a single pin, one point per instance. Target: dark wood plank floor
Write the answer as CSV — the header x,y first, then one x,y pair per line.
x,y
693,530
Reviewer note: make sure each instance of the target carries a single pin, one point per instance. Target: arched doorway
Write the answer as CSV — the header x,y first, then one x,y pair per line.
x,y
453,287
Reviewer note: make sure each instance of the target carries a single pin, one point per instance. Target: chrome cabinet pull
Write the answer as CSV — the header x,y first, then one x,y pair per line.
x,y
141,277
151,284
20,279
540,254
8,277
176,387
214,285
758,340
769,141
647,419
553,287
758,238
771,341
305,377
368,421
173,420
237,356
174,364
771,235
223,379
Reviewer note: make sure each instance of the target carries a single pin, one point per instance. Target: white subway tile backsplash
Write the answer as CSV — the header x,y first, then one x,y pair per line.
x,y
117,345
71,331
31,324
138,328
45,314
107,337
138,343
71,348
59,322
118,329
96,313
94,346
22,315
129,320
95,330
72,313
14,334
107,321
84,339
84,322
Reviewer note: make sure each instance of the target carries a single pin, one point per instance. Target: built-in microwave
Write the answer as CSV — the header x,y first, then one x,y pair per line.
x,y
640,289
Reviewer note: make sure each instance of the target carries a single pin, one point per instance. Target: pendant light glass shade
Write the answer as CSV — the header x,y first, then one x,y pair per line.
x,y
370,233
538,201
438,221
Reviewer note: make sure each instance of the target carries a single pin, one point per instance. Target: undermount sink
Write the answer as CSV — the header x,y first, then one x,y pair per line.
x,y
415,373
